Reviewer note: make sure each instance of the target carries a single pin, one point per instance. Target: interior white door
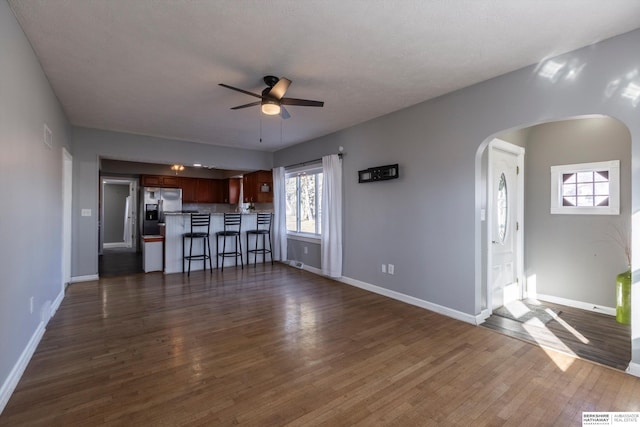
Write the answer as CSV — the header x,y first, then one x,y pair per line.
x,y
505,286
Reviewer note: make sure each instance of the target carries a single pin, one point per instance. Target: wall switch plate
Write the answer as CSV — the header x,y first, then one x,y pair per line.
x,y
391,268
31,305
85,212
384,268
306,250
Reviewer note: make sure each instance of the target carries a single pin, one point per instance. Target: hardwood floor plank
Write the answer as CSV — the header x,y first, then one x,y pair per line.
x,y
273,345
588,335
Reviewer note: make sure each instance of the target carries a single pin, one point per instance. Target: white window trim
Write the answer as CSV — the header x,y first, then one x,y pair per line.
x,y
304,237
612,166
311,168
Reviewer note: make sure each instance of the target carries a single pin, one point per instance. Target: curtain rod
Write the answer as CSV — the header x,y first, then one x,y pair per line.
x,y
308,162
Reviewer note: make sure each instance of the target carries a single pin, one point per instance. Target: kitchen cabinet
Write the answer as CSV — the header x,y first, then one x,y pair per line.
x,y
188,186
230,191
206,190
199,190
257,187
160,181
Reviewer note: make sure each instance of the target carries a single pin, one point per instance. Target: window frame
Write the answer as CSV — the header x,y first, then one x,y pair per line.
x,y
297,172
557,172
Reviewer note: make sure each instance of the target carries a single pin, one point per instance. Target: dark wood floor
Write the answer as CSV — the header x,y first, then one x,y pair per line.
x,y
119,262
592,336
271,346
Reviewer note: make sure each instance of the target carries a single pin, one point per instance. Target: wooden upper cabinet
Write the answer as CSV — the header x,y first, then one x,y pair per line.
x,y
233,188
258,187
188,186
205,190
160,181
198,190
230,190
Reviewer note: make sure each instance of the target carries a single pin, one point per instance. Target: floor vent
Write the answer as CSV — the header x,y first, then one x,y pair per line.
x,y
296,264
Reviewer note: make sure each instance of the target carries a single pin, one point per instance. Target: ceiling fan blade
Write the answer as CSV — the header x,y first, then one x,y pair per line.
x,y
247,105
284,113
279,89
240,90
302,102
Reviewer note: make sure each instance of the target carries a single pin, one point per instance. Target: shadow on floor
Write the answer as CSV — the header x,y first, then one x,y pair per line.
x,y
591,336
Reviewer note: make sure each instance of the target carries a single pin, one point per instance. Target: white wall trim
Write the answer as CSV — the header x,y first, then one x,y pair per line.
x,y
56,304
633,369
18,369
87,278
449,312
578,304
458,315
115,245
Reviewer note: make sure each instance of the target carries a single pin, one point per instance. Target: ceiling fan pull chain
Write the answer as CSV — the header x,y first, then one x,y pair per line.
x,y
260,127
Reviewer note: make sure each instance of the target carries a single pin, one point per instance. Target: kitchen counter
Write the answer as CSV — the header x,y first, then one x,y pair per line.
x,y
179,223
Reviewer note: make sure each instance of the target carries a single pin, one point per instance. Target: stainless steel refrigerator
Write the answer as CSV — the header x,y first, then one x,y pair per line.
x,y
157,201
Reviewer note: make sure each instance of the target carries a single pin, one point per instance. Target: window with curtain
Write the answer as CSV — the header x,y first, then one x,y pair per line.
x,y
304,201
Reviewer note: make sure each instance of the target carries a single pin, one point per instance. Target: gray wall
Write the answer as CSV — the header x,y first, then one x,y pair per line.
x,y
427,222
114,200
31,174
89,145
574,256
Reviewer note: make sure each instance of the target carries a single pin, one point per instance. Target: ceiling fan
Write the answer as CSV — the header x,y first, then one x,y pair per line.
x,y
272,100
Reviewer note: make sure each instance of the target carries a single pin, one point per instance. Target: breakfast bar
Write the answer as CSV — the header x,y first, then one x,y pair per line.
x,y
176,224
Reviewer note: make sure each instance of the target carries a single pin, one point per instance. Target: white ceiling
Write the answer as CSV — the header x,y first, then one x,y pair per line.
x,y
152,67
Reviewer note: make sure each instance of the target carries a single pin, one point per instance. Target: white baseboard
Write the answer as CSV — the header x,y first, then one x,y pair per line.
x,y
18,369
578,304
87,278
56,303
446,311
115,245
633,369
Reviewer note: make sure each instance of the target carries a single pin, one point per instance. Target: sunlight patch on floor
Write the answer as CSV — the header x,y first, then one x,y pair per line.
x,y
567,326
562,361
517,309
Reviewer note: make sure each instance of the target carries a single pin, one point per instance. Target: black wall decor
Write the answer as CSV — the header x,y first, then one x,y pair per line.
x,y
379,173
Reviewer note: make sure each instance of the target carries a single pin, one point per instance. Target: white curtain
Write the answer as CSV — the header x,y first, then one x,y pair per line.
x,y
332,216
279,215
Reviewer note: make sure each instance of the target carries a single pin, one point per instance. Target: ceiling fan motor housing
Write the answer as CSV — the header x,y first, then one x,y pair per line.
x,y
270,81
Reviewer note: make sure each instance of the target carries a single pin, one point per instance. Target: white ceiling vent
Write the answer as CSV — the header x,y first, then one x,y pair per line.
x,y
48,137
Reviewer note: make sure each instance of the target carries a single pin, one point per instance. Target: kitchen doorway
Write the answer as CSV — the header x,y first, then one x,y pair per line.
x,y
119,253
118,213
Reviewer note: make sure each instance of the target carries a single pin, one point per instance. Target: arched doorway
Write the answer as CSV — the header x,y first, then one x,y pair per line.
x,y
570,260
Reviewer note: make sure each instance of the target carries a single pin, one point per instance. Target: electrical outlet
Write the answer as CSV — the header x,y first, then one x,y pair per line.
x,y
391,268
384,268
306,250
31,305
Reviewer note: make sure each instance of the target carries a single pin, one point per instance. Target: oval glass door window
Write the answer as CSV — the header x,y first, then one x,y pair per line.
x,y
502,208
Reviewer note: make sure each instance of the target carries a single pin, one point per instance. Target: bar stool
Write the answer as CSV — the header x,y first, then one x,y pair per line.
x,y
263,228
232,226
200,225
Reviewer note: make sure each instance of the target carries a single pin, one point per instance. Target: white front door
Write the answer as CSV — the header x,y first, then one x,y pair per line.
x,y
505,217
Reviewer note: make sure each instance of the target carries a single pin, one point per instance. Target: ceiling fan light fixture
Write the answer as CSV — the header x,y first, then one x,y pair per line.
x,y
270,108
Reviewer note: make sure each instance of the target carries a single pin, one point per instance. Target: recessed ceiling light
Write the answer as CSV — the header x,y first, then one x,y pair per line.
x,y
198,165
